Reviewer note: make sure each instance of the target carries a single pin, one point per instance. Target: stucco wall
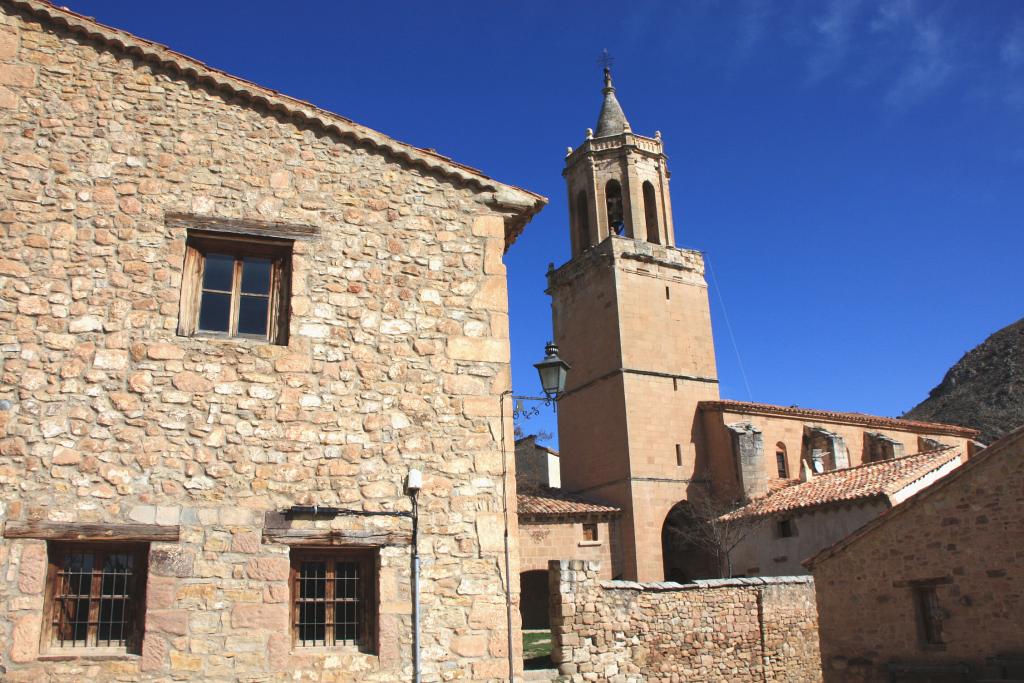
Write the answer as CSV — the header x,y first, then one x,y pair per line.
x,y
764,553
730,630
398,350
966,538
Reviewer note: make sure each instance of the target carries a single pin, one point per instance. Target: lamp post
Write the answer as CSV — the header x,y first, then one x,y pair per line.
x,y
552,371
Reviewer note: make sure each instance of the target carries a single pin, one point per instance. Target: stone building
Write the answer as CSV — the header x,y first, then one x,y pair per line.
x,y
798,519
556,524
641,425
931,590
537,465
232,325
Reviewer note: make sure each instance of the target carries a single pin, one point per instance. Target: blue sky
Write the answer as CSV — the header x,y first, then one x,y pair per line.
x,y
852,169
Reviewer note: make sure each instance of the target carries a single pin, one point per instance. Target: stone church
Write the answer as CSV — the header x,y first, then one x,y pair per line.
x,y
642,428
252,360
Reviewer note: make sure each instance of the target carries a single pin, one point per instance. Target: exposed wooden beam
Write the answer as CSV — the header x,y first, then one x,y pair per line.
x,y
239,226
334,537
72,531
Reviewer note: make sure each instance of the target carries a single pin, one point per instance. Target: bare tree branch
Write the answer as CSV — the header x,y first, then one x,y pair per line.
x,y
707,524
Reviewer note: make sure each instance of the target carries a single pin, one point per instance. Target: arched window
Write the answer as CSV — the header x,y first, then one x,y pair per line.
x,y
651,213
582,222
780,460
613,201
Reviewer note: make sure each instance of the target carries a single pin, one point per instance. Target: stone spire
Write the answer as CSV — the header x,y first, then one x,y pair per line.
x,y
612,120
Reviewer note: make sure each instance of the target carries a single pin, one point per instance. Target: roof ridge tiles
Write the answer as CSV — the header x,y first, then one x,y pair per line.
x,y
857,418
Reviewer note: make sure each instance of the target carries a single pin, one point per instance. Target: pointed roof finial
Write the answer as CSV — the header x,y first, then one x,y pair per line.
x,y
612,120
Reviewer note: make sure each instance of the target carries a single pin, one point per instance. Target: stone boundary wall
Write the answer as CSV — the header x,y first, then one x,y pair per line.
x,y
736,630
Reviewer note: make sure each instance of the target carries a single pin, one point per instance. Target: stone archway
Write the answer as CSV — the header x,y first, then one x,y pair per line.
x,y
684,558
533,599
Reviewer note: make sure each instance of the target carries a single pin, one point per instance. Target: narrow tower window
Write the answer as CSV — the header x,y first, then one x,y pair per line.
x,y
582,222
651,214
613,201
679,455
780,460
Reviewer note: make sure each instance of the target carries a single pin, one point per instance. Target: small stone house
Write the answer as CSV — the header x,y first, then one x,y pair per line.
x,y
233,323
931,590
537,465
798,519
555,524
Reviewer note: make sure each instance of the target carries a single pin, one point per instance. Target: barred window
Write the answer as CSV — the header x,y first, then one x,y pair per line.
x,y
334,598
95,596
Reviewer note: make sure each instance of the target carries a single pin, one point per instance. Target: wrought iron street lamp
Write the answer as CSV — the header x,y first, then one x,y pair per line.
x,y
552,371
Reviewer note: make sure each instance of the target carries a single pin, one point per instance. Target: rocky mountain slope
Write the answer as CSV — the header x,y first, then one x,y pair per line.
x,y
984,390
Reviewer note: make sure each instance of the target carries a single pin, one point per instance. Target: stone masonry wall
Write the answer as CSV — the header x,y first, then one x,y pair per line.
x,y
543,539
963,536
731,630
398,351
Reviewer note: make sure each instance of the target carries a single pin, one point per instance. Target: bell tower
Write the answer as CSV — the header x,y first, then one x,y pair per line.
x,y
630,314
618,182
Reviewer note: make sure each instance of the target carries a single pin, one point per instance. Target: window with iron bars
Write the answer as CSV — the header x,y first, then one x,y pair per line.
x,y
96,596
334,598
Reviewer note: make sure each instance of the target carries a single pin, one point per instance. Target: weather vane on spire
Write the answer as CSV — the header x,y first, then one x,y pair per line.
x,y
606,60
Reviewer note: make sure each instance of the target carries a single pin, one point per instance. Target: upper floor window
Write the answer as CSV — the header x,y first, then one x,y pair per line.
x,y
786,528
590,533
929,614
582,222
613,203
236,288
334,598
95,596
651,213
780,460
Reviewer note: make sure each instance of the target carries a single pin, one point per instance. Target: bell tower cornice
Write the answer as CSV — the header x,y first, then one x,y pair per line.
x,y
624,142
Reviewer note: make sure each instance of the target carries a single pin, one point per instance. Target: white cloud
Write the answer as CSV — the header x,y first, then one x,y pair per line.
x,y
754,16
928,67
832,33
1012,50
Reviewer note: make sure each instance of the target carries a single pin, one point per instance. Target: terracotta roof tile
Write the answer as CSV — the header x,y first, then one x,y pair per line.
x,y
855,483
828,415
551,502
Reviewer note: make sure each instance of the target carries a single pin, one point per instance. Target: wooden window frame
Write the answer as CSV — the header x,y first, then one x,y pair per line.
x,y
368,613
786,528
781,463
596,529
49,640
930,615
278,251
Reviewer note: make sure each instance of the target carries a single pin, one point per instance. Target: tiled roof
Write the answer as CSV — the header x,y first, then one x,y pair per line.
x,y
830,416
1009,446
883,478
552,502
523,203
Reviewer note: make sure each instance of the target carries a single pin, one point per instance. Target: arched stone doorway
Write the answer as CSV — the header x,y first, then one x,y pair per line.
x,y
533,599
685,554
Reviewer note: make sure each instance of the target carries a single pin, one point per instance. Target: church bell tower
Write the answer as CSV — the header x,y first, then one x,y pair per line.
x,y
630,314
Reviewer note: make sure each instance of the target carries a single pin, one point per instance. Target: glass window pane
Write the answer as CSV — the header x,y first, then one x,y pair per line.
x,y
217,274
214,312
256,275
252,315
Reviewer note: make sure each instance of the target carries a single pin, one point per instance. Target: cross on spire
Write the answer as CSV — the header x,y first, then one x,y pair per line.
x,y
606,60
